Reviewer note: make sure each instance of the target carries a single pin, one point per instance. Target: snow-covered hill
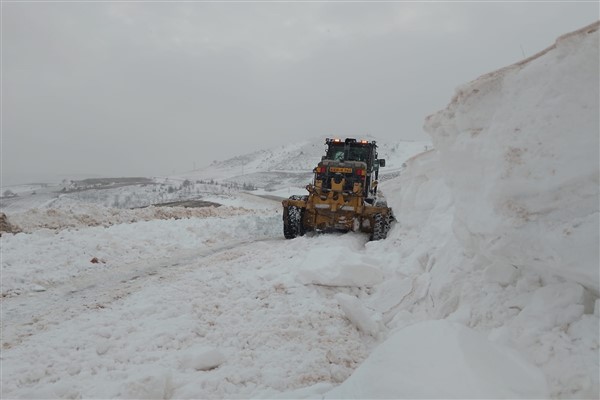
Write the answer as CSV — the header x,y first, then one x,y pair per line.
x,y
283,169
291,164
304,155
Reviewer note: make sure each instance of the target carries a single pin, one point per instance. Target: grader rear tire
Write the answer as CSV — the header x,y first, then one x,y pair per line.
x,y
381,227
292,222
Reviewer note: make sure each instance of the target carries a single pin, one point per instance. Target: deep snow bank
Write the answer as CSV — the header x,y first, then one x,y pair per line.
x,y
519,149
442,357
498,231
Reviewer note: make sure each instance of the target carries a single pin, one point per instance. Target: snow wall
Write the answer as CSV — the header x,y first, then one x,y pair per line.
x,y
497,240
519,151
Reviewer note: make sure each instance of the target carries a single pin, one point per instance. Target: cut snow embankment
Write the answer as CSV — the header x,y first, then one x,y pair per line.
x,y
519,149
497,233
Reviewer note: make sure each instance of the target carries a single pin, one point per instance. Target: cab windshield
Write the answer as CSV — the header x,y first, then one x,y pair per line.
x,y
354,152
358,153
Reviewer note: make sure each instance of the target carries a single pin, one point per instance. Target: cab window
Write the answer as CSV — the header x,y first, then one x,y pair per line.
x,y
358,153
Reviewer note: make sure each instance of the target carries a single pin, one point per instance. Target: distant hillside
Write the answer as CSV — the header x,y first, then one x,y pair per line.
x,y
292,164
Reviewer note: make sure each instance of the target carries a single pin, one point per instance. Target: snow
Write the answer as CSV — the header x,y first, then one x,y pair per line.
x,y
501,273
202,358
499,227
519,150
336,266
49,257
486,287
441,359
149,335
358,314
290,165
79,215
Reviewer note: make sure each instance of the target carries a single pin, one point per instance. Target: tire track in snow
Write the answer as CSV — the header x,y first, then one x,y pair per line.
x,y
242,298
25,316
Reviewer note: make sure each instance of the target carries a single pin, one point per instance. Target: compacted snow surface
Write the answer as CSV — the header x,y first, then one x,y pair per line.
x,y
486,287
196,307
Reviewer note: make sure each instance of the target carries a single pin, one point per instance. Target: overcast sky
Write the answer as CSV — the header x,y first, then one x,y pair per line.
x,y
127,89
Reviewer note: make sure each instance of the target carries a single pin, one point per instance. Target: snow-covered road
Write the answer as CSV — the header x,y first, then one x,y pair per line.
x,y
149,328
44,306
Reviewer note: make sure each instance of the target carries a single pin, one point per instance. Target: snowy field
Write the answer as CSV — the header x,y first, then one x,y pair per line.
x,y
486,287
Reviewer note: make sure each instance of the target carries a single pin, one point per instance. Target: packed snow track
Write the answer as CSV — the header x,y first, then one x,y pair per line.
x,y
174,313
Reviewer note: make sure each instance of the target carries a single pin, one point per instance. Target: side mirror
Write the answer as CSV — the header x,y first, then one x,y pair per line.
x,y
381,162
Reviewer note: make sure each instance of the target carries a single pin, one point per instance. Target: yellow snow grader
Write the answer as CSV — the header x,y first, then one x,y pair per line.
x,y
343,195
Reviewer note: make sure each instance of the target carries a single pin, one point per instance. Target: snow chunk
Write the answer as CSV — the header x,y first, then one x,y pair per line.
x,y
202,358
553,305
440,359
38,288
156,385
102,347
324,267
358,314
342,275
500,273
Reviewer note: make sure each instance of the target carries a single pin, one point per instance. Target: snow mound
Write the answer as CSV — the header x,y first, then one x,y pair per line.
x,y
78,215
441,359
498,226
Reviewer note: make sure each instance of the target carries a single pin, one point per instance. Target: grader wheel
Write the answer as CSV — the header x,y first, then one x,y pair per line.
x,y
292,222
381,227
